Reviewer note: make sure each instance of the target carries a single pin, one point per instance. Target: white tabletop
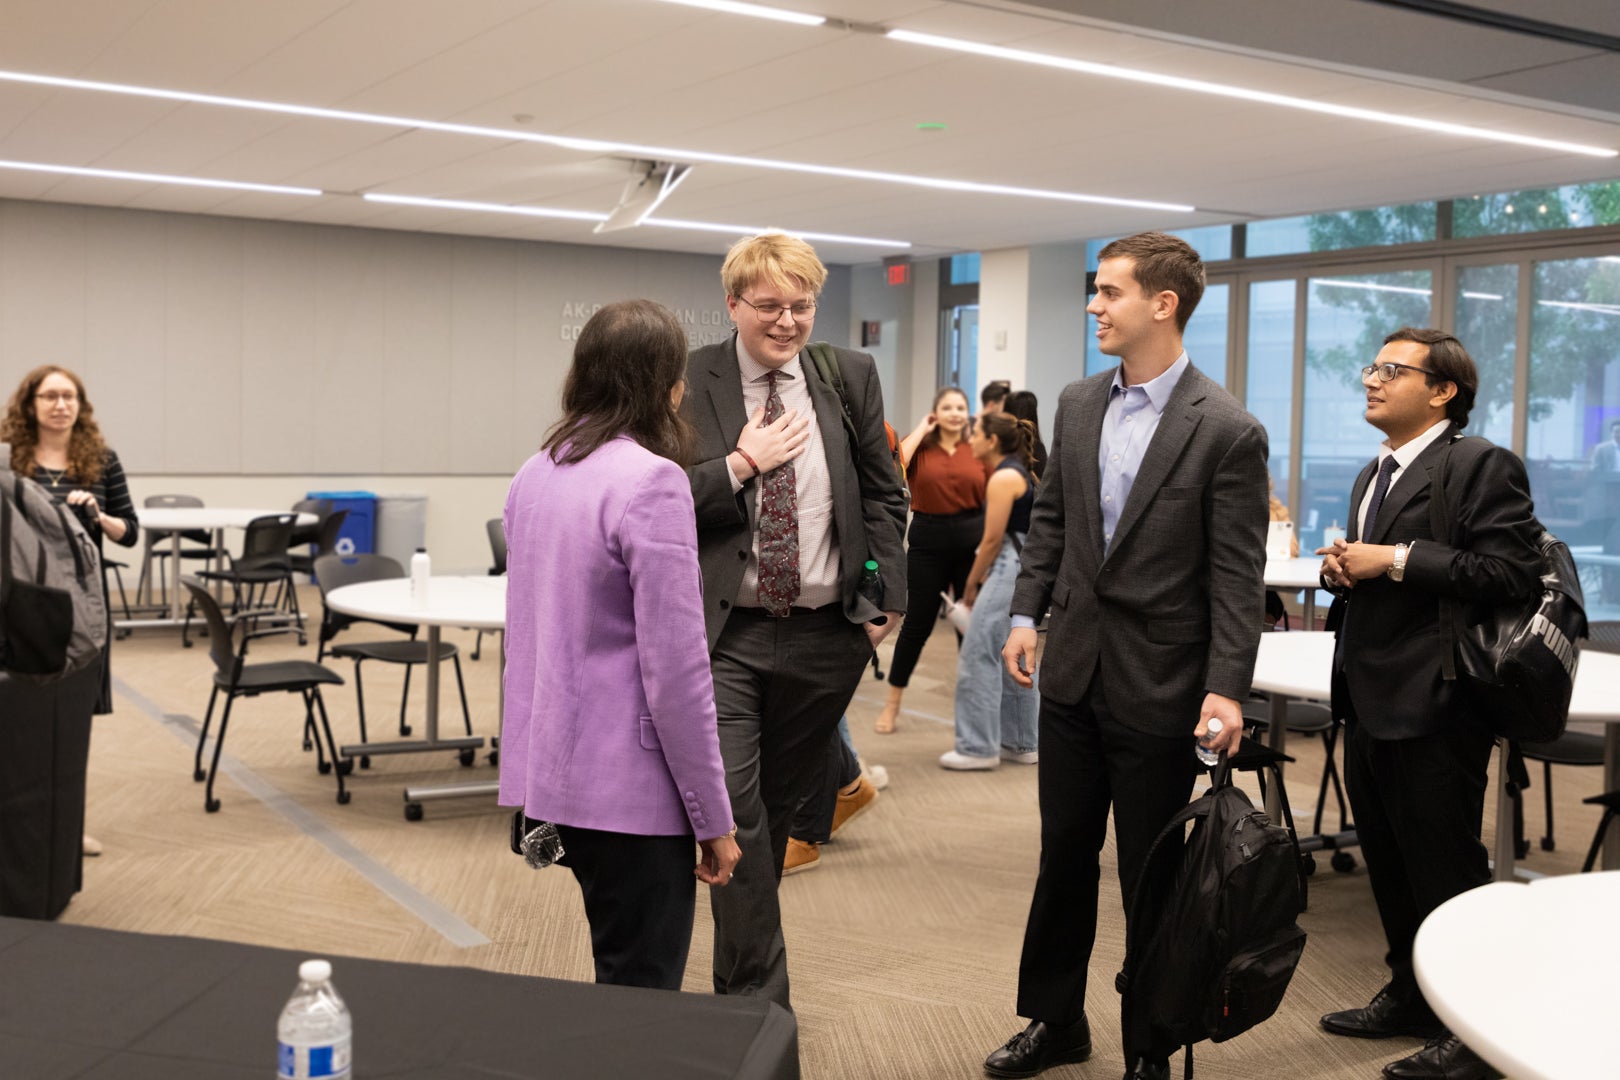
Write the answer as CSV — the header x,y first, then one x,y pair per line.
x,y
177,518
1300,664
1304,573
478,602
1528,975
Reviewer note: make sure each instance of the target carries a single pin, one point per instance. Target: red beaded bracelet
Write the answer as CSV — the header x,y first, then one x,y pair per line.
x,y
752,464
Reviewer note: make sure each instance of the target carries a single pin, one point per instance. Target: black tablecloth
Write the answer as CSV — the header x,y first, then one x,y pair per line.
x,y
106,1005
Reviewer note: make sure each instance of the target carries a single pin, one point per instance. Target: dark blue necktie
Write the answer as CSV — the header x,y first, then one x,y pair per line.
x,y
1380,489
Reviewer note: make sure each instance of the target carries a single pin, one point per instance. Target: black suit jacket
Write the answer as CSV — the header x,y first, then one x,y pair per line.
x,y
869,505
1174,608
1386,664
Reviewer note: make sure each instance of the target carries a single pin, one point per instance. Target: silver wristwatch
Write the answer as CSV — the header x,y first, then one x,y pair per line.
x,y
1398,571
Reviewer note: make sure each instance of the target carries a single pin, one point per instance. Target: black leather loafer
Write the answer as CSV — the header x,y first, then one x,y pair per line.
x,y
1445,1058
1041,1046
1387,1015
1148,1070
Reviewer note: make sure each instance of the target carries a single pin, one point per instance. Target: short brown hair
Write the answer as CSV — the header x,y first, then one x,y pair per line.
x,y
772,257
1163,263
1448,362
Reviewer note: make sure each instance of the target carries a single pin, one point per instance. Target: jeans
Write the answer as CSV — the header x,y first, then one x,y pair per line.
x,y
993,711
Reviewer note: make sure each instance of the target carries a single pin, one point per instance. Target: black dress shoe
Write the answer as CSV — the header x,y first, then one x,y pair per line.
x,y
1388,1014
1041,1046
1445,1058
1148,1070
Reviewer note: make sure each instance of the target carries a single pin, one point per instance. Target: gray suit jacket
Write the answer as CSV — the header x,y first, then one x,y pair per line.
x,y
1174,608
869,505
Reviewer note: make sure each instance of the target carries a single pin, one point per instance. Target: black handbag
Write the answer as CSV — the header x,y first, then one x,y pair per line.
x,y
1514,663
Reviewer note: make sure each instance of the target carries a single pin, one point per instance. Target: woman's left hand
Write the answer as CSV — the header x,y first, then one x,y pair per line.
x,y
970,594
720,857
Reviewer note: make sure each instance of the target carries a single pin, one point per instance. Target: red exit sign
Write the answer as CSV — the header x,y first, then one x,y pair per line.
x,y
898,274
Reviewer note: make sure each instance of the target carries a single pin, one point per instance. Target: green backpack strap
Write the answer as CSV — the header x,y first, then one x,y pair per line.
x,y
825,360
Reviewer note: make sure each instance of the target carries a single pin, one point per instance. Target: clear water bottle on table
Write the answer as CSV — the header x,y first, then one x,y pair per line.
x,y
315,1033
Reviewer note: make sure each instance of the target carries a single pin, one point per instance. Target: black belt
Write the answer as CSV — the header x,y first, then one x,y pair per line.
x,y
792,612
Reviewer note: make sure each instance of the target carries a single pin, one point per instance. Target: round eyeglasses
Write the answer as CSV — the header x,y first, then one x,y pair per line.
x,y
770,311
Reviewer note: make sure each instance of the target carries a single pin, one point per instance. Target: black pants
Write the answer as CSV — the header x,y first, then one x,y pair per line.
x,y
1418,805
1089,760
813,822
939,557
639,898
780,686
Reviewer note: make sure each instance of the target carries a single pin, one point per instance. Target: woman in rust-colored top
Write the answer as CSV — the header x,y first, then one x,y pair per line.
x,y
947,504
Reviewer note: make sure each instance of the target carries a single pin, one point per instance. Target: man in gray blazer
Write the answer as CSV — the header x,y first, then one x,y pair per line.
x,y
795,489
1147,542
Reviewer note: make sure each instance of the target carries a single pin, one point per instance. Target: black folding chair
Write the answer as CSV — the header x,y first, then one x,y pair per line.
x,y
237,678
497,547
264,562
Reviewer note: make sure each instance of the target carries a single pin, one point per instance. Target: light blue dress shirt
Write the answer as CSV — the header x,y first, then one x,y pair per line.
x,y
1129,421
1128,425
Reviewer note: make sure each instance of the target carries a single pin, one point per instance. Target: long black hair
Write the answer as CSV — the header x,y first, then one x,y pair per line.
x,y
628,359
1012,435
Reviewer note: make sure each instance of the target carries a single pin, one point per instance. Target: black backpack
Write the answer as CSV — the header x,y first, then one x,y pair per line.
x,y
1212,940
1514,664
53,613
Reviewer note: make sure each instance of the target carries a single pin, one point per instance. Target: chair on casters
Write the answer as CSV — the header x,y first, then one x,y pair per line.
x,y
336,571
123,597
238,678
497,547
1312,718
310,534
157,544
264,562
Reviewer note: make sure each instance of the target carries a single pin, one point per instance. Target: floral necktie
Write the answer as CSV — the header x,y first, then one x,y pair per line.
x,y
778,525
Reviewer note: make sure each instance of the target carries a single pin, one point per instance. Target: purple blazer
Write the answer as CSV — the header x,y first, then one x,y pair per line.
x,y
609,720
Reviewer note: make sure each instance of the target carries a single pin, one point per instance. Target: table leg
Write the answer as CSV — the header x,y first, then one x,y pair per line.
x,y
177,609
1308,615
433,683
1504,855
415,797
1611,782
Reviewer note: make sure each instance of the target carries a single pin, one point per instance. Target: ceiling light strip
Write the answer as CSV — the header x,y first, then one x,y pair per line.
x,y
156,178
1110,71
760,11
651,222
590,146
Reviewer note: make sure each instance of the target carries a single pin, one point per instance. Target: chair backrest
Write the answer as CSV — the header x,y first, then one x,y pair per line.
x,y
311,534
497,544
220,645
327,543
266,543
336,571
171,502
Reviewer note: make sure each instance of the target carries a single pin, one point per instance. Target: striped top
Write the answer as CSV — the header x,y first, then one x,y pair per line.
x,y
111,492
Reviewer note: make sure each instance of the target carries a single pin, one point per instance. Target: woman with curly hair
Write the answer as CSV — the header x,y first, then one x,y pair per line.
x,y
56,442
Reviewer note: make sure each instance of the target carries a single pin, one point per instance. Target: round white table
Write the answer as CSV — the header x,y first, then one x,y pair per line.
x,y
177,519
1527,975
1301,573
1300,665
475,602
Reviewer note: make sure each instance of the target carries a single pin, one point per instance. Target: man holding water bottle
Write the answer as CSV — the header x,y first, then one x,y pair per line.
x,y
1147,543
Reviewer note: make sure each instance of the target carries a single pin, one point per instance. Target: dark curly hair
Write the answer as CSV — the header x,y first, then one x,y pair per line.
x,y
87,450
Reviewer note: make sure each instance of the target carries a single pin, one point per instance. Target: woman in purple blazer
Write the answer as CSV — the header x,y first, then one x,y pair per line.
x,y
609,731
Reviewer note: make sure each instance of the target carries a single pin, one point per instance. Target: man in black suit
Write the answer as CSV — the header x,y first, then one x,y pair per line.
x,y
790,506
1415,754
1147,540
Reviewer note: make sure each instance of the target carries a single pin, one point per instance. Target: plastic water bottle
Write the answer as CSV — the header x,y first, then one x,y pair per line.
x,y
314,1032
421,572
1210,757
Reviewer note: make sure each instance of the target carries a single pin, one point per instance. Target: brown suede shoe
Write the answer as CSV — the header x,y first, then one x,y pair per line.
x,y
800,856
853,801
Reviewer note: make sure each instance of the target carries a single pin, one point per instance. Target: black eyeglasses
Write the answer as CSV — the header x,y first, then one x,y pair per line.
x,y
1389,369
770,311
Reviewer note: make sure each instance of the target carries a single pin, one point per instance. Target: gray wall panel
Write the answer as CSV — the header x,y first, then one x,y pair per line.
x,y
202,376
280,378
126,332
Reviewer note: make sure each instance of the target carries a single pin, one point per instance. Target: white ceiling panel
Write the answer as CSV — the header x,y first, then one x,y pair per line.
x,y
659,74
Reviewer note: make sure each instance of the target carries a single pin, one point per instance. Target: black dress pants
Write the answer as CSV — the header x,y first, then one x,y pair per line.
x,y
1090,760
813,822
780,686
1418,804
639,898
940,555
